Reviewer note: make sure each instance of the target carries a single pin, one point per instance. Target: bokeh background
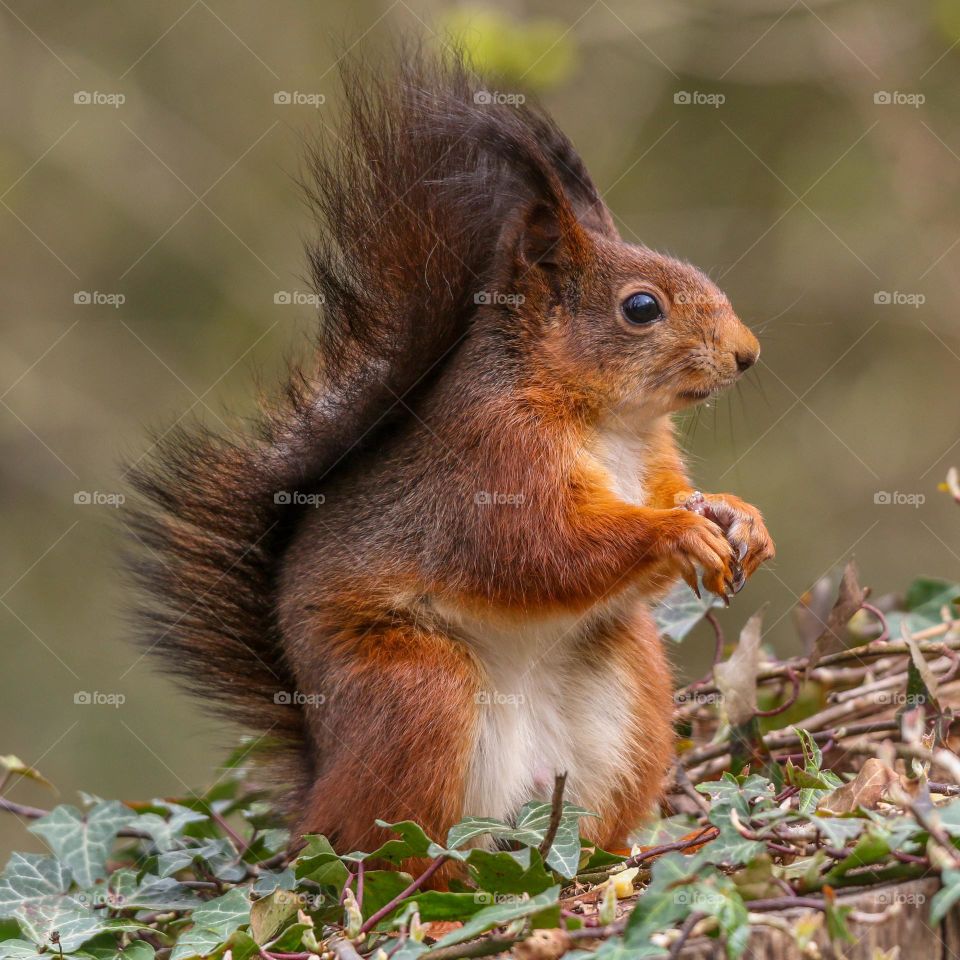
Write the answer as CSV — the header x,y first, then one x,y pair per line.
x,y
806,154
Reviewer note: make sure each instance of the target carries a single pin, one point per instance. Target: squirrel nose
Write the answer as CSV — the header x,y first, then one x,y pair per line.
x,y
746,359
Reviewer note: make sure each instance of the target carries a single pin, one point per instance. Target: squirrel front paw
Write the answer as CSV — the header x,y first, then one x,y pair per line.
x,y
742,524
697,540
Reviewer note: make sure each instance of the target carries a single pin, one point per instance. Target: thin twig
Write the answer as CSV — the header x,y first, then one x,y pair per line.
x,y
692,920
704,836
556,815
388,908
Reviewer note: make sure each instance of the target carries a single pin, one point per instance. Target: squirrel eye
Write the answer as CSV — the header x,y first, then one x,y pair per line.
x,y
641,308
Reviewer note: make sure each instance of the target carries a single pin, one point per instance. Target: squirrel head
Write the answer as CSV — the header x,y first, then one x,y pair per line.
x,y
624,327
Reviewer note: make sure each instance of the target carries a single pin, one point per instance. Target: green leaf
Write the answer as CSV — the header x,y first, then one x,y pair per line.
x,y
83,841
271,880
944,899
413,842
434,905
318,862
564,853
680,611
18,950
665,830
380,887
500,914
473,827
129,891
213,923
531,827
924,600
33,891
168,832
269,915
501,873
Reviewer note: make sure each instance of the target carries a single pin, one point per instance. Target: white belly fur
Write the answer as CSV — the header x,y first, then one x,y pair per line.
x,y
548,707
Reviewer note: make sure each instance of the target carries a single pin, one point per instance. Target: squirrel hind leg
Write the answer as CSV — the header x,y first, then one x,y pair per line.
x,y
641,660
395,734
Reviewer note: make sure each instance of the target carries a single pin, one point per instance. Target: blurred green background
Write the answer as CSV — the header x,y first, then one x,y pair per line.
x,y
807,155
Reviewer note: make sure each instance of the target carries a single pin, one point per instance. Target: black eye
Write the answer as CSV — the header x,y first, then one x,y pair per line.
x,y
641,308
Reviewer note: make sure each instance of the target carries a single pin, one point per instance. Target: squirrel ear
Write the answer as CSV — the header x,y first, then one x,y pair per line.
x,y
541,239
551,238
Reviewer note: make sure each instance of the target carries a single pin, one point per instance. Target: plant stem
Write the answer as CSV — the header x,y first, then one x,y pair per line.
x,y
388,908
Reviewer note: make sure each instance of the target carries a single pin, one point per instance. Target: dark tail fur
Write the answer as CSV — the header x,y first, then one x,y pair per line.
x,y
410,193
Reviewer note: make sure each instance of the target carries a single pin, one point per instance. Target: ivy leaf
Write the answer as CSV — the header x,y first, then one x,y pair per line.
x,y
809,797
33,891
269,915
665,901
500,914
681,610
564,853
944,899
18,950
531,827
319,863
272,880
380,887
167,832
150,892
83,841
501,873
472,827
413,842
213,923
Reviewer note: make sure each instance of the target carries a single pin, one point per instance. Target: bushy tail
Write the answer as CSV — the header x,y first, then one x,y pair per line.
x,y
411,191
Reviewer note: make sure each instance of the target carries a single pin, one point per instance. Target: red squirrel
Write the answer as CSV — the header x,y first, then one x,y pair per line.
x,y
425,576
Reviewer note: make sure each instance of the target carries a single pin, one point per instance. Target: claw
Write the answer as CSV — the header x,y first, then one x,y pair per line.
x,y
690,579
742,552
739,581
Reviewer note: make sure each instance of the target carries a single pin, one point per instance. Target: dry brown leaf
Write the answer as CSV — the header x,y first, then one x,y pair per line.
x,y
850,597
435,929
736,679
865,790
811,613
